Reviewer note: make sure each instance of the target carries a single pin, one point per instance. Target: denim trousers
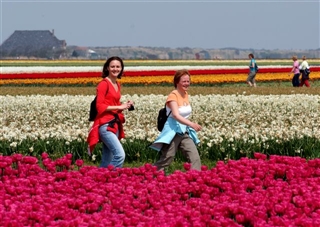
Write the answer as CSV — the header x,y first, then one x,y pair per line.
x,y
112,150
295,80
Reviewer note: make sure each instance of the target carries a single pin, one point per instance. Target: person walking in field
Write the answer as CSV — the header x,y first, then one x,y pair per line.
x,y
252,71
108,124
305,75
179,133
296,72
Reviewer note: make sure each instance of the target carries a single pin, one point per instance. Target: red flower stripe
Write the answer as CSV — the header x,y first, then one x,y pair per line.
x,y
142,73
49,75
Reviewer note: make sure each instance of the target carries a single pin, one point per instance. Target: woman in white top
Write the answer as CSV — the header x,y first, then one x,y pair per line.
x,y
179,133
305,76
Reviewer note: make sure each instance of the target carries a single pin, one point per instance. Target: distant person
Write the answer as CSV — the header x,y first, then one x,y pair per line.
x,y
305,76
296,72
179,133
252,71
108,125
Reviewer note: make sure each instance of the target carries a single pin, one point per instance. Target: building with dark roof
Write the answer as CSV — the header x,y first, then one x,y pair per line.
x,y
33,43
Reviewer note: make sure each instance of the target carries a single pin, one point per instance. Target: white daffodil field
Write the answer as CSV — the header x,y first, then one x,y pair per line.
x,y
233,125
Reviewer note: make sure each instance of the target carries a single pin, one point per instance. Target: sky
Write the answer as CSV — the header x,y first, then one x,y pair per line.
x,y
253,24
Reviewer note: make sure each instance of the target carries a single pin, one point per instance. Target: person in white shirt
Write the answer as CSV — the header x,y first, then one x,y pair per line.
x,y
305,76
179,132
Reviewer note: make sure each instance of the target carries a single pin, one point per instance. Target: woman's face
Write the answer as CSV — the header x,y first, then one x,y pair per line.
x,y
114,68
184,82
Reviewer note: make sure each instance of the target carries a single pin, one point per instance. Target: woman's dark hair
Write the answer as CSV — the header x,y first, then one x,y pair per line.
x,y
251,55
105,71
178,75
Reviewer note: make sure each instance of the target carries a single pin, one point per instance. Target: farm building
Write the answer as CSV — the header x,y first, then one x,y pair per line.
x,y
84,52
33,43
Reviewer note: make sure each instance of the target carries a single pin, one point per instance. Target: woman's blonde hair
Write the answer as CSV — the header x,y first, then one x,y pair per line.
x,y
294,57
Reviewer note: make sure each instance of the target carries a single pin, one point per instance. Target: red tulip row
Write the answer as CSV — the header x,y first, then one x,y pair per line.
x,y
141,73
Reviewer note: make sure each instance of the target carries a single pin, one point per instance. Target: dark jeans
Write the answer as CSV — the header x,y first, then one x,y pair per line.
x,y
295,80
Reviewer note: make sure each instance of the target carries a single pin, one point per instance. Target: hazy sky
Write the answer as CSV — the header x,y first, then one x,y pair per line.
x,y
253,24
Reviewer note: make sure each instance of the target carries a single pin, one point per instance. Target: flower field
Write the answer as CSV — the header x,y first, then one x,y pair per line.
x,y
265,150
145,75
233,125
278,191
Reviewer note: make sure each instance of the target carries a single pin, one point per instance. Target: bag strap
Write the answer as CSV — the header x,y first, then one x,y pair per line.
x,y
106,90
165,106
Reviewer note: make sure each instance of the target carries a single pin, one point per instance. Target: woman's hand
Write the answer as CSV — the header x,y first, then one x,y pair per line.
x,y
124,106
196,127
131,103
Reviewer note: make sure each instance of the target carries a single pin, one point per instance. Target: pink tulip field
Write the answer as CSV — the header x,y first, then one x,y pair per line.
x,y
264,191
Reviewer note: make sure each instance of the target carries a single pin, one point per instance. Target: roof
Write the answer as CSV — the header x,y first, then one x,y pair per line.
x,y
32,40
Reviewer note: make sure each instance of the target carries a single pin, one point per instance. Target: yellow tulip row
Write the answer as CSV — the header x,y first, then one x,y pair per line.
x,y
195,79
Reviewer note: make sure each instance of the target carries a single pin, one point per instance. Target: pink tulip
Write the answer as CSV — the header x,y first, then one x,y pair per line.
x,y
3,165
17,157
44,155
68,156
79,162
260,156
29,160
110,167
204,168
187,166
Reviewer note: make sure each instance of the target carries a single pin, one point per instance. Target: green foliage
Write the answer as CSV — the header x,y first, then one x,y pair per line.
x,y
138,151
56,148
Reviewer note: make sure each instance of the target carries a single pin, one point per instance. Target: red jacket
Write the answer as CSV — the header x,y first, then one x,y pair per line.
x,y
106,96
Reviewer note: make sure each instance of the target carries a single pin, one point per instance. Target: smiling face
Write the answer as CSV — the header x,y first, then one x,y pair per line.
x,y
184,82
114,68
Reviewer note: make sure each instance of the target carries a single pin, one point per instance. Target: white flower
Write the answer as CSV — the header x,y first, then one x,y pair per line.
x,y
252,118
13,144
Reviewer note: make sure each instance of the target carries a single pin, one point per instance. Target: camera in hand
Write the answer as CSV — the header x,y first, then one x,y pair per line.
x,y
131,108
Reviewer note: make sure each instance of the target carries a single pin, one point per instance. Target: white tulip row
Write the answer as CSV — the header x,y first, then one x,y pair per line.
x,y
250,118
61,69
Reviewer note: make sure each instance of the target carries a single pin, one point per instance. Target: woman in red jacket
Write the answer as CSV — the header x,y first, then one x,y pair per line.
x,y
108,125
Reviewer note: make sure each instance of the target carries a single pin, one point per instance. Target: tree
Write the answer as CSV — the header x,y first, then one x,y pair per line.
x,y
75,54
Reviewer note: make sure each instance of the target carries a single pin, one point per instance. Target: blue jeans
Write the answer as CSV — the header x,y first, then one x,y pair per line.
x,y
112,150
295,80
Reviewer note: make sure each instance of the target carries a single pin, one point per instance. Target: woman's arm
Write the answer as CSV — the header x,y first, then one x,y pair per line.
x,y
123,106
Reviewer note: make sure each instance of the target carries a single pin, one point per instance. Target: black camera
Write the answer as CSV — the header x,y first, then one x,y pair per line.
x,y
131,108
